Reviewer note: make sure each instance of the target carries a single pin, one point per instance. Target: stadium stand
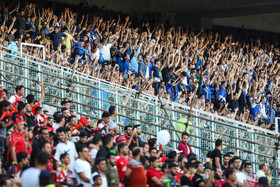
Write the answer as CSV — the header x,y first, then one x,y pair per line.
x,y
118,85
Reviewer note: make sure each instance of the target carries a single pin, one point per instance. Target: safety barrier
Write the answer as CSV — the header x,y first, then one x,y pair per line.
x,y
91,96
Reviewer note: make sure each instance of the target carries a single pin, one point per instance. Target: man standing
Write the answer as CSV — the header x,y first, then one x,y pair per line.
x,y
144,68
30,118
264,171
129,136
217,155
82,167
56,37
198,180
18,96
182,160
100,165
31,99
111,173
122,160
172,167
65,146
226,160
184,146
240,177
231,178
136,137
248,172
113,114
189,170
38,144
135,174
16,141
30,177
105,148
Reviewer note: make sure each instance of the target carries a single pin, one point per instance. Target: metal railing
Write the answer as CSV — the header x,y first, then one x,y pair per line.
x,y
91,96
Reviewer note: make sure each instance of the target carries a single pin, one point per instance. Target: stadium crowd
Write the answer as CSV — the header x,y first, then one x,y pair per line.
x,y
230,76
238,80
39,149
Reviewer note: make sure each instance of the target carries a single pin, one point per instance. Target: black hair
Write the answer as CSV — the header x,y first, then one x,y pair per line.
x,y
70,117
95,177
30,98
247,164
127,126
226,155
83,134
136,152
61,129
181,157
19,87
42,129
152,142
189,165
59,118
218,142
38,109
172,154
55,115
120,146
185,134
106,139
228,172
112,109
235,158
109,155
42,158
196,164
97,138
62,156
143,144
4,103
21,156
80,148
99,160
152,159
20,106
172,165
105,114
63,109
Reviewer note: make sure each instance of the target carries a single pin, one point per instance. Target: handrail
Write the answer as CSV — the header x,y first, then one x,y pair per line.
x,y
152,97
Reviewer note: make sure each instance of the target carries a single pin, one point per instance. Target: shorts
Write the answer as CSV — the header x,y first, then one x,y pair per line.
x,y
2,144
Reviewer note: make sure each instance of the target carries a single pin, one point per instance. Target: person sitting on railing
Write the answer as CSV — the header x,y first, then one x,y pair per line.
x,y
184,145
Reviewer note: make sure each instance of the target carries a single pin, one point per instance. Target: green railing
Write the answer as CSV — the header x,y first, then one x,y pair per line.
x,y
91,96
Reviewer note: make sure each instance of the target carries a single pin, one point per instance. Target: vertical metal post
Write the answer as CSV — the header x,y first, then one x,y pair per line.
x,y
99,101
237,141
212,133
26,74
78,89
197,151
173,132
253,149
276,125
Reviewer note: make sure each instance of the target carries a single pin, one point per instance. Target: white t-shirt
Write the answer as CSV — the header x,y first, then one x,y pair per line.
x,y
66,148
56,126
105,51
103,177
82,166
147,76
93,153
30,177
12,99
241,177
95,55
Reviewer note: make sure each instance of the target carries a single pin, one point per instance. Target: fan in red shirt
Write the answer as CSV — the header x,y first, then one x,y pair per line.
x,y
48,149
31,99
154,176
122,159
182,160
16,141
184,146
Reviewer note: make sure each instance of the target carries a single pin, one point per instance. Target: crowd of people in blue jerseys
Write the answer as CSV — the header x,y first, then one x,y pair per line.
x,y
232,76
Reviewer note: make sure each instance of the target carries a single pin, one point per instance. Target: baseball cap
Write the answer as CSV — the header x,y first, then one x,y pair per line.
x,y
177,151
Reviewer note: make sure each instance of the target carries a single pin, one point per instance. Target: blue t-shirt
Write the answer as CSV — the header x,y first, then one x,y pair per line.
x,y
206,90
222,94
56,38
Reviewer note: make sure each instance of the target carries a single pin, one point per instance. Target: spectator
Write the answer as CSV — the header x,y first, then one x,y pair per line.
x,y
264,171
38,144
30,118
60,122
217,155
16,141
100,165
113,114
198,179
240,176
135,174
106,146
248,172
18,96
189,170
184,146
63,172
65,146
172,167
137,137
263,182
230,178
22,162
226,159
31,100
56,37
111,173
155,178
82,167
129,136
30,177
182,160
97,179
122,160
96,145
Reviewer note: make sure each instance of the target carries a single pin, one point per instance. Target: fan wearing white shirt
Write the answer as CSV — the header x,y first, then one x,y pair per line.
x,y
65,146
104,48
82,167
240,176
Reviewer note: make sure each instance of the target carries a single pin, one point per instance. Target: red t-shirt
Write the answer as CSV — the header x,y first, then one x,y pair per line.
x,y
121,166
34,107
138,176
153,173
180,173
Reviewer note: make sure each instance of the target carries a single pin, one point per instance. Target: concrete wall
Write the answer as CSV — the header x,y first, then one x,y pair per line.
x,y
262,22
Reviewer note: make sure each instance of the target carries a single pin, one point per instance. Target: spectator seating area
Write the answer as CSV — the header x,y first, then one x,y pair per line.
x,y
34,142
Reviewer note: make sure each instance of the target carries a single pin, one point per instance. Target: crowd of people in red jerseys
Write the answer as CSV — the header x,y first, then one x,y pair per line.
x,y
43,149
